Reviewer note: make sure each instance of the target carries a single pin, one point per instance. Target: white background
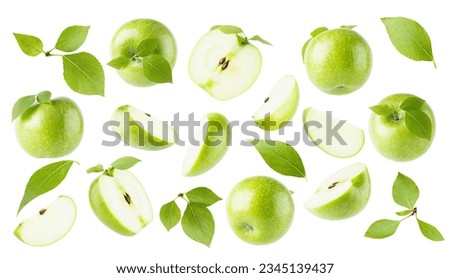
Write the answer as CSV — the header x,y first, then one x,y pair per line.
x,y
93,250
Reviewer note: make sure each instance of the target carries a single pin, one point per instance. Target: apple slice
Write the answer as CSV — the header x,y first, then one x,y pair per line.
x,y
50,224
342,195
212,139
141,130
119,200
348,141
280,106
224,65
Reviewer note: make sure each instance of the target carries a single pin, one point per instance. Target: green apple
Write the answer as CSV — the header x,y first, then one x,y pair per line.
x,y
48,127
125,45
119,200
402,127
280,106
260,210
342,195
50,224
337,61
142,130
224,63
211,141
348,140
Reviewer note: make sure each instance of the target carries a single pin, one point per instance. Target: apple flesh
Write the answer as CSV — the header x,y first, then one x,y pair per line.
x,y
223,66
315,122
280,106
127,39
338,61
120,202
50,129
390,135
142,130
212,138
342,195
50,224
260,210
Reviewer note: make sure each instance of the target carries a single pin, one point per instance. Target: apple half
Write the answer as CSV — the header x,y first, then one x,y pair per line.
x,y
224,65
211,143
49,224
142,130
280,106
318,126
120,202
342,195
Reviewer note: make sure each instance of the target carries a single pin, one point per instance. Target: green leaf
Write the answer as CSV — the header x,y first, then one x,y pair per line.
x,y
125,163
412,104
44,180
170,215
30,45
228,29
382,228
95,169
405,191
281,157
409,38
146,47
404,212
84,74
348,26
198,223
419,124
157,69
304,49
120,62
72,38
21,105
429,231
202,196
259,39
317,31
44,97
381,109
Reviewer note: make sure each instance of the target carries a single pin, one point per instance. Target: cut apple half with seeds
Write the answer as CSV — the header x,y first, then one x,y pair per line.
x,y
212,139
342,195
348,140
280,106
49,224
223,65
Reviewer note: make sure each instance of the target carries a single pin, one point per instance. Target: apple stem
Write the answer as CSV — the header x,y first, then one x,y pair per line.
x,y
396,116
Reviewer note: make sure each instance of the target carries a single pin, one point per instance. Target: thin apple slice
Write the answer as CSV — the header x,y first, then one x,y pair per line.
x,y
318,126
223,65
142,130
50,224
342,195
212,138
280,106
120,202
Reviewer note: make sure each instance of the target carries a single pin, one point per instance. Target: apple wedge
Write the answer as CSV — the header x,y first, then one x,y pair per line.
x,y
225,65
348,140
119,200
211,144
142,130
280,106
342,195
49,224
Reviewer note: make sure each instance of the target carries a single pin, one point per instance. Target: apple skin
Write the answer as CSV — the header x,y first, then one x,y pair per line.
x,y
49,130
126,40
260,210
392,139
338,61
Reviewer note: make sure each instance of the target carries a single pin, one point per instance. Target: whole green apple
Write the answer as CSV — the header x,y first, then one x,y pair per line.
x,y
260,210
338,61
125,44
50,127
402,127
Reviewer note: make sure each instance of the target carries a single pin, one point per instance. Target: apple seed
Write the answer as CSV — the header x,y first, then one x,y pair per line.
x,y
221,61
127,198
333,185
225,64
42,211
266,99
